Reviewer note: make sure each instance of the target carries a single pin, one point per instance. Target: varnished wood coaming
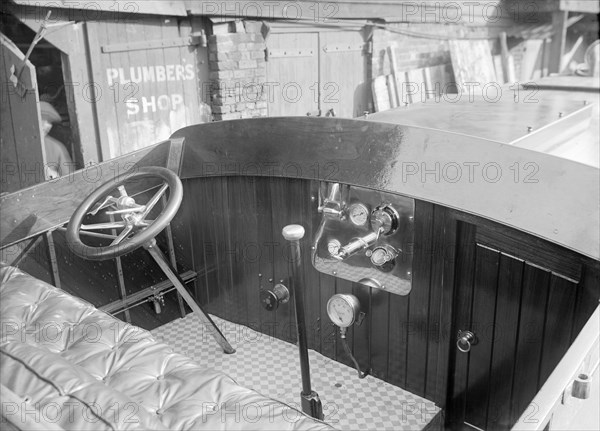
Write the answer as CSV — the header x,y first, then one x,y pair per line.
x,y
369,154
527,190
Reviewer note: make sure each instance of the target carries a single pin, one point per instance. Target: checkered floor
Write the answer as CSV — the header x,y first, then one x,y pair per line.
x,y
271,367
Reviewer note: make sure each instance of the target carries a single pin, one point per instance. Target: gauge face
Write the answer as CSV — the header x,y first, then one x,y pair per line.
x,y
342,310
359,214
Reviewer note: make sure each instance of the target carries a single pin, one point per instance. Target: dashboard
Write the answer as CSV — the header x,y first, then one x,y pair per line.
x,y
365,236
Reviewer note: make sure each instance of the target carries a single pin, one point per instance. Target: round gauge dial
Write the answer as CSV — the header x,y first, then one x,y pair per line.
x,y
358,213
343,309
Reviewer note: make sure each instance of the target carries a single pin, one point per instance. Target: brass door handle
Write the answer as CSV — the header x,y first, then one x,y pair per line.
x,y
464,341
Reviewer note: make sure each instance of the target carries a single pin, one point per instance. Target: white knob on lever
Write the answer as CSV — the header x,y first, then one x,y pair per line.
x,y
293,232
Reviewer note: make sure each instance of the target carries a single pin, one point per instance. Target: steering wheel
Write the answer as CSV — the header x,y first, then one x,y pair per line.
x,y
136,229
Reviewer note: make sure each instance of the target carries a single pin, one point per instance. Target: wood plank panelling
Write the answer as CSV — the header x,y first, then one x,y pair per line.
x,y
462,317
538,252
245,210
361,348
442,251
311,277
347,95
522,315
587,299
408,341
529,343
345,286
482,325
96,282
282,212
295,79
147,93
22,153
378,346
329,332
265,241
510,274
215,245
558,323
397,340
419,299
244,281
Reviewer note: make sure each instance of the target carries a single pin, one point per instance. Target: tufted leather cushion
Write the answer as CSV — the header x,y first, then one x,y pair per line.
x,y
80,368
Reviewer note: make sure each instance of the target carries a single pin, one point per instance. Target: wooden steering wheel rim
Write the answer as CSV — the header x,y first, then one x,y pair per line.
x,y
140,238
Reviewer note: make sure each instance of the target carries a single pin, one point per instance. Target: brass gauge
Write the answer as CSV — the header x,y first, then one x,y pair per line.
x,y
343,309
358,214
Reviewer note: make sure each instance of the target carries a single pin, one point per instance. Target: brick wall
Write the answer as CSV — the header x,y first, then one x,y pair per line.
x,y
237,74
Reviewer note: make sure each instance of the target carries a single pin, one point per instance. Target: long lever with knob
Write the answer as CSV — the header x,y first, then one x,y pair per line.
x,y
311,403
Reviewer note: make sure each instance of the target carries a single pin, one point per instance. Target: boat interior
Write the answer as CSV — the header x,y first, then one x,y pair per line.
x,y
314,273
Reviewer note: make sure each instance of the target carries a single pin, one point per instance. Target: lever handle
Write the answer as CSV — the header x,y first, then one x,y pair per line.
x,y
294,233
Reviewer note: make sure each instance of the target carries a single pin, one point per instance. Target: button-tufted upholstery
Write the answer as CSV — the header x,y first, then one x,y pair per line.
x,y
79,368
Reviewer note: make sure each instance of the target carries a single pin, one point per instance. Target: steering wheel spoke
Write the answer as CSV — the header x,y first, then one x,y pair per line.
x,y
136,229
124,233
138,208
102,226
154,200
107,202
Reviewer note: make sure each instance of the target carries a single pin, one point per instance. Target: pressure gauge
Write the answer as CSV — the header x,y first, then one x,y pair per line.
x,y
343,309
358,213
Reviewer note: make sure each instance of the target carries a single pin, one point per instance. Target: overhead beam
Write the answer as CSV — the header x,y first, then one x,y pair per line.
x,y
585,6
94,9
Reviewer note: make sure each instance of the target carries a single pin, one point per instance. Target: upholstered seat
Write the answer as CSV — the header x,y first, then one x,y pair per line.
x,y
80,368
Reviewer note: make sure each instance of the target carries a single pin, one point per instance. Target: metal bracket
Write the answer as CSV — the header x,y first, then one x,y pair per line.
x,y
158,300
117,306
344,47
360,319
193,39
277,53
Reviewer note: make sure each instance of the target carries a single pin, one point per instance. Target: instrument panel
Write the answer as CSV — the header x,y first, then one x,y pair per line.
x,y
365,236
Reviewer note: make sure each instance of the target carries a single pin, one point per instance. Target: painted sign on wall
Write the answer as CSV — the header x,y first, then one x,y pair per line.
x,y
149,90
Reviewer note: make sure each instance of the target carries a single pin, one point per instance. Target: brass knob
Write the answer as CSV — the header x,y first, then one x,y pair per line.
x,y
464,340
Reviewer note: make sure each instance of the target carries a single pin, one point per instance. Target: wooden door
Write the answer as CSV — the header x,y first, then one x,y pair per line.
x,y
312,72
292,73
521,302
343,73
22,154
146,80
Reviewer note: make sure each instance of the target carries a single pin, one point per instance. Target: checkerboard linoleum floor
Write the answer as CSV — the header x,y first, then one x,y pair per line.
x,y
271,367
